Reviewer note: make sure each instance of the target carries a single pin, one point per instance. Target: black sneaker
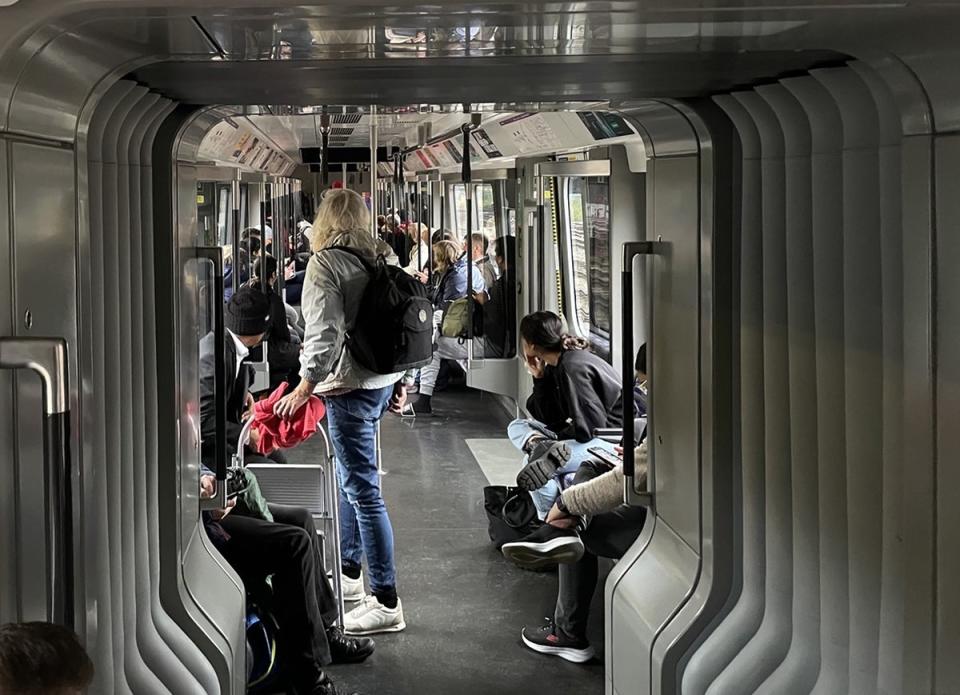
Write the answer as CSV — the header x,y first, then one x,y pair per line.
x,y
549,640
348,650
547,545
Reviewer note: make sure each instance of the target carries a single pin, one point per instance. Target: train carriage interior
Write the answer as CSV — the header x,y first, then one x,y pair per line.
x,y
733,217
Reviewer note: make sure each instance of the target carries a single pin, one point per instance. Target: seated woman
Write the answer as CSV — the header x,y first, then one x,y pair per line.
x,y
575,392
418,256
451,269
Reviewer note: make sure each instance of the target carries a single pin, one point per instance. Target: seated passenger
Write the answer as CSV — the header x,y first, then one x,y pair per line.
x,y
419,253
42,659
613,527
288,551
481,258
283,341
451,269
574,393
246,320
499,303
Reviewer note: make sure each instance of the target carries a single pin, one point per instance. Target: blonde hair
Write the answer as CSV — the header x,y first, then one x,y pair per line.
x,y
445,254
341,211
414,227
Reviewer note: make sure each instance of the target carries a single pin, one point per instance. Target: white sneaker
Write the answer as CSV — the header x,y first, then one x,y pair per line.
x,y
371,617
352,589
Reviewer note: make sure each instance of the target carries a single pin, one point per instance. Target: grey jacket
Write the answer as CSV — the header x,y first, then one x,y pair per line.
x,y
332,289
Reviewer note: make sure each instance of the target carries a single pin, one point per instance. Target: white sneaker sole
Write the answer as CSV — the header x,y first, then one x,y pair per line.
x,y
576,656
567,549
399,627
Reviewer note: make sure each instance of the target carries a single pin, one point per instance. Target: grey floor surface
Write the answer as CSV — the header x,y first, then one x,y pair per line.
x,y
464,604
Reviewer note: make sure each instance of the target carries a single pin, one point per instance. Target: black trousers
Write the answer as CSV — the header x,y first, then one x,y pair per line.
x,y
304,605
607,535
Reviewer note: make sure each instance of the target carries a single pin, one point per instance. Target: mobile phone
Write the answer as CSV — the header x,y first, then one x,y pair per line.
x,y
605,455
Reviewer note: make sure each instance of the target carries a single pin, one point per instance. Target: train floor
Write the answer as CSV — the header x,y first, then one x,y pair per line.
x,y
464,604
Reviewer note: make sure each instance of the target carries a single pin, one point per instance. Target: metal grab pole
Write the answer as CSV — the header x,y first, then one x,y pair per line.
x,y
373,172
467,176
48,358
235,205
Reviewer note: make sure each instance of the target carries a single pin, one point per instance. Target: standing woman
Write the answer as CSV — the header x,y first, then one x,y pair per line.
x,y
356,400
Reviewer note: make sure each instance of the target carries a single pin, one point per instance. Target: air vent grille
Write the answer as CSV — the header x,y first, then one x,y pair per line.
x,y
345,117
340,132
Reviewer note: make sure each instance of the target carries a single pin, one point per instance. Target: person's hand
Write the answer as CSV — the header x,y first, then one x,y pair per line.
x,y
421,276
254,438
480,298
288,406
289,271
248,405
399,399
535,366
208,486
218,514
555,514
542,464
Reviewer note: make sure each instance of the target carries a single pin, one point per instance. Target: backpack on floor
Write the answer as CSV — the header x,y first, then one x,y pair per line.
x,y
394,328
263,666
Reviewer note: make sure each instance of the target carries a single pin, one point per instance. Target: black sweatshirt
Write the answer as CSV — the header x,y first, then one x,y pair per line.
x,y
582,393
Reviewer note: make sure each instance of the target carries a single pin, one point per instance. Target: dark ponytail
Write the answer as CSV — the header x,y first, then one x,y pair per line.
x,y
545,330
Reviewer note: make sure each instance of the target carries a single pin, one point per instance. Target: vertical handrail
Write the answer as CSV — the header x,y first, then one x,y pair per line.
x,y
214,254
632,496
235,207
47,357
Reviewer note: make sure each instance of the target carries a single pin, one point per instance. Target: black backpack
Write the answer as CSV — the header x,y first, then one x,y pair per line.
x,y
394,327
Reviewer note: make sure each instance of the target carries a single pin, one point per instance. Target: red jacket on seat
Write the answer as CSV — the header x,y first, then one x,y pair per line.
x,y
276,433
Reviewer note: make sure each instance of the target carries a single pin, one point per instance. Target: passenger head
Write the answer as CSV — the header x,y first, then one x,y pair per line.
x,y
640,365
42,659
480,244
445,255
381,221
441,235
250,241
418,231
247,315
543,334
504,252
340,211
271,264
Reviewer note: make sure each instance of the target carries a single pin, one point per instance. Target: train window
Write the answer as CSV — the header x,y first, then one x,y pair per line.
x,y
484,210
588,229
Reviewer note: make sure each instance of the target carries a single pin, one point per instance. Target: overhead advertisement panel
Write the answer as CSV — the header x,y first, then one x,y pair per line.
x,y
233,142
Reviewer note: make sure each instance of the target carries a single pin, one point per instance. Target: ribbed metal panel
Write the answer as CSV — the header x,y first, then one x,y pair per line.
x,y
832,305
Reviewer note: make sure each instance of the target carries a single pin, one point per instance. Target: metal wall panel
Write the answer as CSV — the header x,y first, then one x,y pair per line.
x,y
744,617
45,284
9,572
798,671
826,207
838,289
947,626
863,336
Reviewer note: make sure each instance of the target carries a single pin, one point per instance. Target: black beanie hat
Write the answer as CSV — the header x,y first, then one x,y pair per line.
x,y
248,312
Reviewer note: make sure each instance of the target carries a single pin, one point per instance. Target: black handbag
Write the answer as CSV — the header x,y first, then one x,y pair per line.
x,y
510,514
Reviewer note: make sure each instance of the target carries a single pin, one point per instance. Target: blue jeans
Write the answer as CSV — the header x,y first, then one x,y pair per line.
x,y
364,525
520,432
